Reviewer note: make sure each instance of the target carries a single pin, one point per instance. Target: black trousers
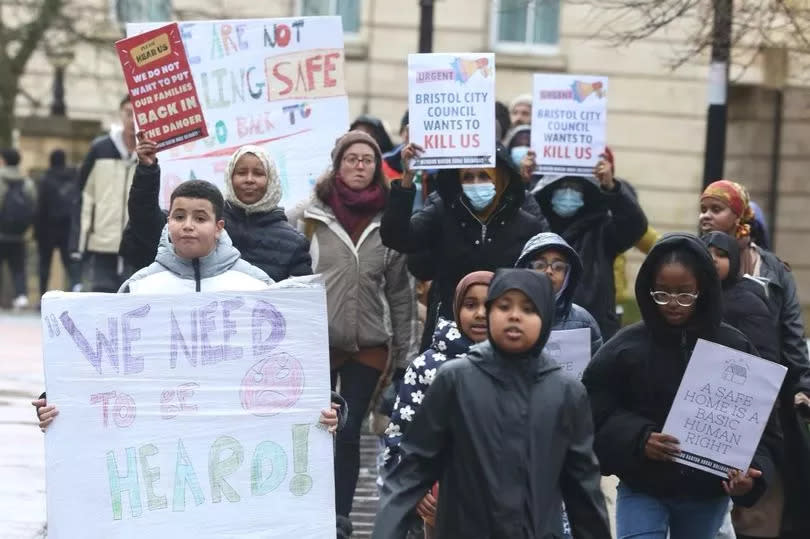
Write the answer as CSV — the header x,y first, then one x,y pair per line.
x,y
47,243
14,253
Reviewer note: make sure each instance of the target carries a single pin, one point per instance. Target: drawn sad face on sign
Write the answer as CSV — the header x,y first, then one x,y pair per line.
x,y
272,385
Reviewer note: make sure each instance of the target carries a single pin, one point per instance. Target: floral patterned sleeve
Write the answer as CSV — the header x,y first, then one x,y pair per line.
x,y
411,392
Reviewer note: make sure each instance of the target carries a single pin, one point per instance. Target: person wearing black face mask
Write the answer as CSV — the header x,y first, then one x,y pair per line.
x,y
600,218
508,435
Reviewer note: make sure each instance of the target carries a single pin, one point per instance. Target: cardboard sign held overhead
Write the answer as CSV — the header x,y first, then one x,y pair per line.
x,y
162,90
451,104
569,115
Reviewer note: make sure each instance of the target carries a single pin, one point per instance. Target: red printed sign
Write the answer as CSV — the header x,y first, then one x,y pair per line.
x,y
163,94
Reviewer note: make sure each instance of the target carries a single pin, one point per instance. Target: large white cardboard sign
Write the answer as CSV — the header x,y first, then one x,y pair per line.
x,y
275,83
190,416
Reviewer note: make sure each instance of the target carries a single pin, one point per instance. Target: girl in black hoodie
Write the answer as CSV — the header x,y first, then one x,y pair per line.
x,y
745,301
632,382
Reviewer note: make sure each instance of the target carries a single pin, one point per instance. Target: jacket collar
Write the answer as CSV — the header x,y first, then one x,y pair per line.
x,y
485,357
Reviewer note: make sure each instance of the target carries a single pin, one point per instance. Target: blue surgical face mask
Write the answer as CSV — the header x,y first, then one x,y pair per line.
x,y
566,201
480,194
518,153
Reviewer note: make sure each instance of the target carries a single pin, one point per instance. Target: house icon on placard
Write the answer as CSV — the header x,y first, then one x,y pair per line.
x,y
735,373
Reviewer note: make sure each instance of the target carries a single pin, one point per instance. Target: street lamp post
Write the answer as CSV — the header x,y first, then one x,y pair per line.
x,y
59,60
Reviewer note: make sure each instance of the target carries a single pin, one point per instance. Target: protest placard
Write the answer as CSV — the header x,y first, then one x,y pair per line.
x,y
274,83
188,419
571,349
722,407
451,106
163,94
569,115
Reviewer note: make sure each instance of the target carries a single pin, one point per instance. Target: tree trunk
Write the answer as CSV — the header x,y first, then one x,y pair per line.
x,y
8,93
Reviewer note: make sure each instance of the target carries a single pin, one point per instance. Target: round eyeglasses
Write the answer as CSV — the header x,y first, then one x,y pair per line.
x,y
684,299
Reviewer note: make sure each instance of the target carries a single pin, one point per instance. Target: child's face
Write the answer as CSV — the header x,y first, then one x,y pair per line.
x,y
721,262
249,179
193,228
472,317
675,278
514,323
554,264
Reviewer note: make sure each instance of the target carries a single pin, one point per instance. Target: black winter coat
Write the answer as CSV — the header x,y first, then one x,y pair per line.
x,y
471,434
633,379
745,301
56,202
451,239
793,355
265,239
609,224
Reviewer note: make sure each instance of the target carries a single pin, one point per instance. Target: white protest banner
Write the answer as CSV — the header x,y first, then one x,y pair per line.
x,y
451,104
571,349
188,419
722,407
569,115
275,83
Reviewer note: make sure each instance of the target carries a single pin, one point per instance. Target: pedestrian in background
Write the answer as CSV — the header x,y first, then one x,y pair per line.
x,y
18,208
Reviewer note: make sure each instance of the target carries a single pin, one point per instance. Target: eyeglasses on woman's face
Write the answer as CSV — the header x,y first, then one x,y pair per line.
x,y
684,299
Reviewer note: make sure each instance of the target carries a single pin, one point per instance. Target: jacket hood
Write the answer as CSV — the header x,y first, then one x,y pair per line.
x,y
537,288
731,247
376,125
708,314
117,138
448,184
220,260
549,240
514,132
449,340
593,197
11,174
271,197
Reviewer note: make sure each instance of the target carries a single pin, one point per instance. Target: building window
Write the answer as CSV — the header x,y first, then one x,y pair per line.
x,y
528,24
125,11
349,11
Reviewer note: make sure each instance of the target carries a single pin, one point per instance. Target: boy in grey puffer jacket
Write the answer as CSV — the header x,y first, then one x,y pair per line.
x,y
549,253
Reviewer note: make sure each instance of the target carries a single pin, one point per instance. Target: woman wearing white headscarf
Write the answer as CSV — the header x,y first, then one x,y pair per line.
x,y
254,221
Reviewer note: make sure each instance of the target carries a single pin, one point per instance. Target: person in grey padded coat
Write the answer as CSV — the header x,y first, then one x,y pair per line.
x,y
504,431
550,254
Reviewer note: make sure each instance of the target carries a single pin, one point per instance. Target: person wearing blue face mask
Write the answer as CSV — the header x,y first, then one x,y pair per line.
x,y
600,218
475,221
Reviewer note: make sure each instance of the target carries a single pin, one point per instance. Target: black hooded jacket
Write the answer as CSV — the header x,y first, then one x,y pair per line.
x,y
508,437
448,233
265,239
633,379
608,224
745,302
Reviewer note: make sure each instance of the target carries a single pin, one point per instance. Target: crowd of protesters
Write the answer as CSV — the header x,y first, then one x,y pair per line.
x,y
488,437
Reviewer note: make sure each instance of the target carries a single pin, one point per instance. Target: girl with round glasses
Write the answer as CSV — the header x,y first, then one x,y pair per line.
x,y
632,382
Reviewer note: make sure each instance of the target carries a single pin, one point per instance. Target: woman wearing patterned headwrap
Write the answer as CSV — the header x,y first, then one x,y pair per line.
x,y
725,207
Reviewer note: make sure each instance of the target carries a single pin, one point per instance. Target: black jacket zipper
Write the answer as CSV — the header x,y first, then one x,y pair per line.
x,y
196,265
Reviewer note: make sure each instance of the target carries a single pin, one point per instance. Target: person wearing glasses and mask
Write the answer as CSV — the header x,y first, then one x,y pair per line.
x,y
477,222
632,382
550,254
600,218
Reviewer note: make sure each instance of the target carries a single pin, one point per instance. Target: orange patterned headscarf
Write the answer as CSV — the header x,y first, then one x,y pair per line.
x,y
735,196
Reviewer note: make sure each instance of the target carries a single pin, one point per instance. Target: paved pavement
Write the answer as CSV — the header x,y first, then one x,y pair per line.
x,y
22,451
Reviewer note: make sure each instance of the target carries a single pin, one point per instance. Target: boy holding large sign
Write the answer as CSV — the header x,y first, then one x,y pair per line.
x,y
633,381
195,255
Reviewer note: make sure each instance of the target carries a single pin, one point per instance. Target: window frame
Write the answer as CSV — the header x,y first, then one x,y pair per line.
x,y
352,35
527,47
